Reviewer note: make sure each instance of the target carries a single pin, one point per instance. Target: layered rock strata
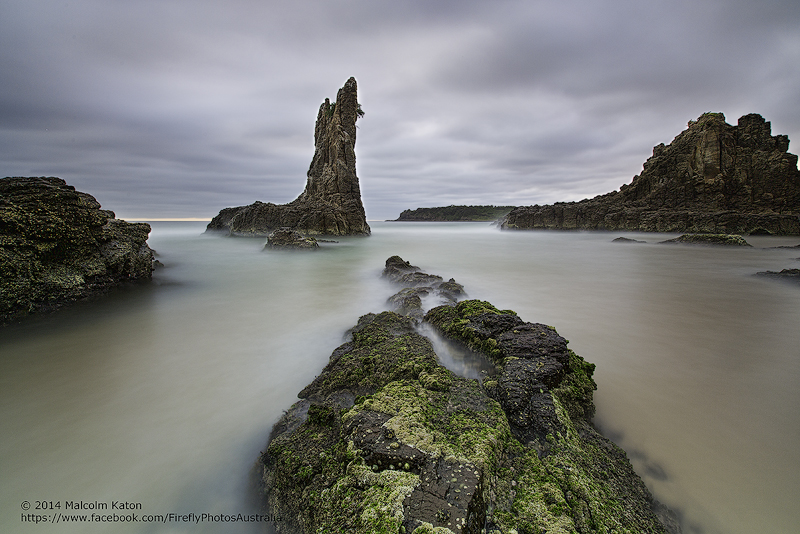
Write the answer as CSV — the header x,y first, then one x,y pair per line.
x,y
57,246
386,439
713,177
331,202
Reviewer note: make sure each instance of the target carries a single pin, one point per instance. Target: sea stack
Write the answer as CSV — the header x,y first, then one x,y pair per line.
x,y
713,178
331,203
57,246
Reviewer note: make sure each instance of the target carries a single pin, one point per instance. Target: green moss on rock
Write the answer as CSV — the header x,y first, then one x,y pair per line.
x,y
57,246
387,440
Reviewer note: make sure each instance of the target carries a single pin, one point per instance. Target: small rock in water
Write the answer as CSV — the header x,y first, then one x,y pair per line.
x,y
710,239
288,238
627,240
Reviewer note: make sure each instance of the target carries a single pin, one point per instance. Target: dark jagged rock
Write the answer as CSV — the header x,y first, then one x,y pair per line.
x,y
456,213
785,274
331,202
416,285
385,439
710,239
712,178
57,246
627,240
286,238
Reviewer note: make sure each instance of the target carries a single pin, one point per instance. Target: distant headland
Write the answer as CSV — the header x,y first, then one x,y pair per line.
x,y
456,213
331,203
712,178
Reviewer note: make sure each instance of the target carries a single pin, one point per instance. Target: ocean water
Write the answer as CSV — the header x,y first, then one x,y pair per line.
x,y
163,395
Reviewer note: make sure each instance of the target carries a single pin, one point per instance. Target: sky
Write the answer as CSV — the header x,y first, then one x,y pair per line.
x,y
179,108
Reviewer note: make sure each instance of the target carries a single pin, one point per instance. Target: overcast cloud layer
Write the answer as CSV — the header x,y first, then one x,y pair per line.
x,y
170,108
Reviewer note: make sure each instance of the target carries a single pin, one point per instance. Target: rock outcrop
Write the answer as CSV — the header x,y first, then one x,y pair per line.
x,y
331,203
386,439
286,238
785,274
709,239
713,178
57,246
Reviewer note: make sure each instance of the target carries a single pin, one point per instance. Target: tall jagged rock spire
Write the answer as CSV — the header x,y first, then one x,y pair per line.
x,y
331,202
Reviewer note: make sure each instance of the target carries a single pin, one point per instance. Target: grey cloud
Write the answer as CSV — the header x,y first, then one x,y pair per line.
x,y
177,108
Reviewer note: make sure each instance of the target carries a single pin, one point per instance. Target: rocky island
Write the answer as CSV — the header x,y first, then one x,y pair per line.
x,y
713,178
57,246
386,439
331,202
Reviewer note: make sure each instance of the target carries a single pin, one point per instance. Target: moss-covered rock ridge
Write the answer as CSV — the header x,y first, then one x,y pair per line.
x,y
385,439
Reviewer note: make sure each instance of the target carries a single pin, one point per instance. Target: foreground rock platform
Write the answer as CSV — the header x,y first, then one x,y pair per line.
x,y
712,178
57,246
386,439
331,202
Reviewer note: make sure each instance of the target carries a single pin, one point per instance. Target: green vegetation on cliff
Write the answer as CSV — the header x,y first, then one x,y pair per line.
x,y
456,213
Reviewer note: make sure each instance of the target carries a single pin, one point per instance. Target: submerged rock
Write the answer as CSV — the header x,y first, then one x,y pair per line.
x,y
785,274
57,246
287,238
385,439
331,203
712,178
626,240
710,239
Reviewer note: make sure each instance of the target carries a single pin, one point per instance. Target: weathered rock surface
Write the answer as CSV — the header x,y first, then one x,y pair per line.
x,y
385,439
331,202
286,238
709,239
416,286
57,246
712,178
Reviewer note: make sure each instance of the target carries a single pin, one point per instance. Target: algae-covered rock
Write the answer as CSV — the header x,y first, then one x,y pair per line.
x,y
57,246
385,439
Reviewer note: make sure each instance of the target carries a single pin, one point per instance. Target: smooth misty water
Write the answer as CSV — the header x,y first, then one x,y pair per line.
x,y
165,394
